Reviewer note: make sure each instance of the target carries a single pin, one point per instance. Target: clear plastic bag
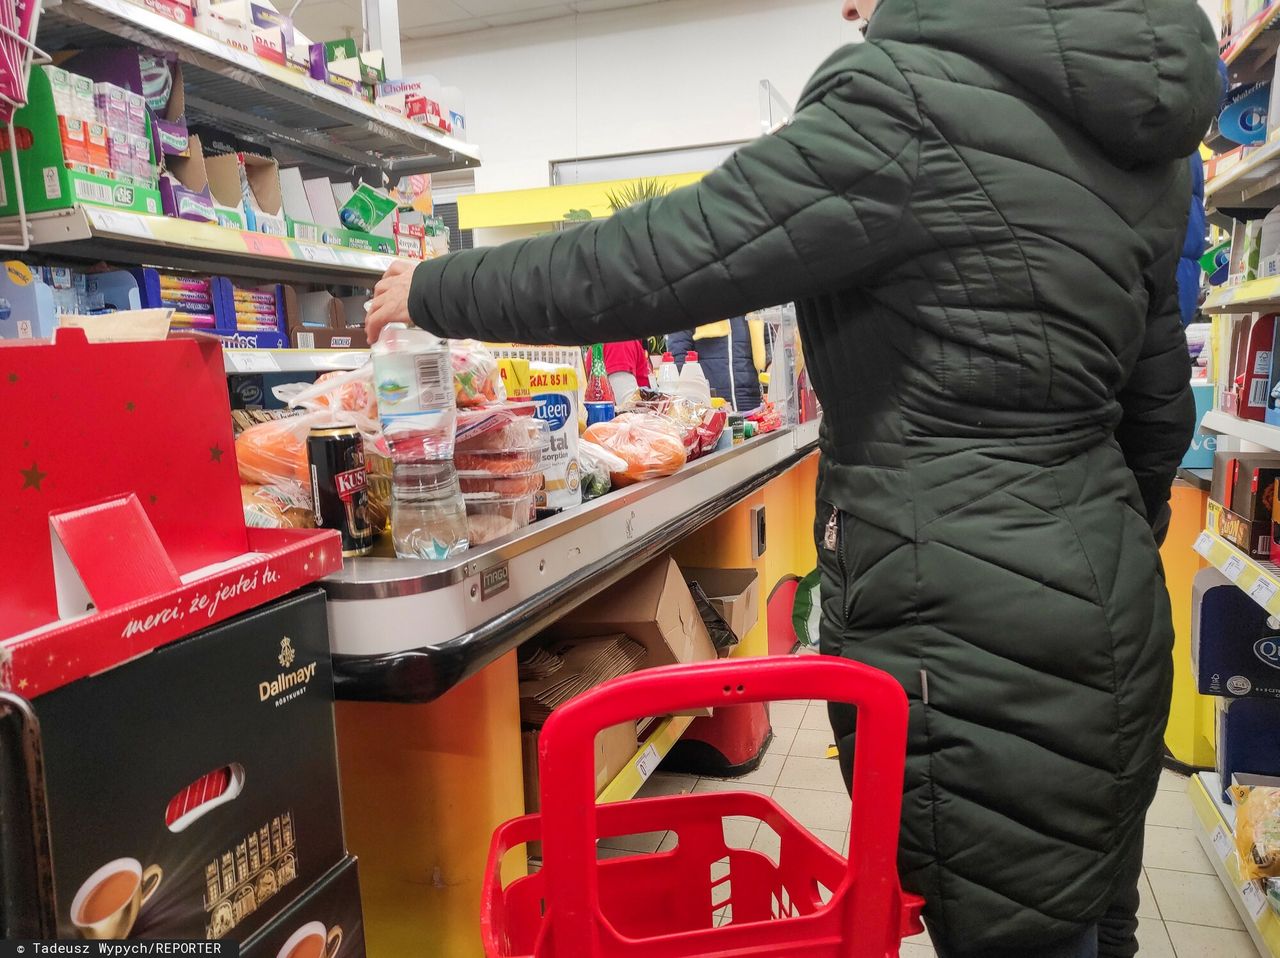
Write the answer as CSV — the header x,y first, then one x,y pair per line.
x,y
651,446
476,379
275,453
598,465
1258,832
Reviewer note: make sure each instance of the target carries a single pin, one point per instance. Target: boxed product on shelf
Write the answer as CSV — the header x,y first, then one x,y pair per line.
x,y
322,323
27,306
229,808
233,32
258,316
1234,652
65,160
1244,485
417,98
157,77
356,239
184,186
337,63
260,194
326,922
1246,738
179,11
223,175
198,300
1247,390
268,32
654,607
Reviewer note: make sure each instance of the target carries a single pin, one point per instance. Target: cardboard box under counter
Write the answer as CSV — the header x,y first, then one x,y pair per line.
x,y
654,607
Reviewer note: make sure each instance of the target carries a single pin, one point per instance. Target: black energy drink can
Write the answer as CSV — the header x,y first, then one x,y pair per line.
x,y
340,486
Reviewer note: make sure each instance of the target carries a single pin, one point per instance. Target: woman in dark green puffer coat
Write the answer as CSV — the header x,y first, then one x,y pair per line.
x,y
979,213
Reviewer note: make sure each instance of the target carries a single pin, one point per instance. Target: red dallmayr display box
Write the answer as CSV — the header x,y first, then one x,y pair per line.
x,y
122,522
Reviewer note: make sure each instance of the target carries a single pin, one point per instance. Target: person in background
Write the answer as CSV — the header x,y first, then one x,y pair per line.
x,y
732,353
628,366
1194,246
978,213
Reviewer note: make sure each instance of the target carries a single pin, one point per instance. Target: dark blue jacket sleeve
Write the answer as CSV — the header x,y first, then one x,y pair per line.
x,y
678,344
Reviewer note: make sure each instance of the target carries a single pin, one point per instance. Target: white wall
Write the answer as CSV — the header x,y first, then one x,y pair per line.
x,y
664,75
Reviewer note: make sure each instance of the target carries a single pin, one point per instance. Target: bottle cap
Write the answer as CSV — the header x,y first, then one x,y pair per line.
x,y
668,358
691,357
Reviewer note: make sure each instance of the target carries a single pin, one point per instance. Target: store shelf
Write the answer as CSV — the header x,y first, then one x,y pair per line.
x,y
1248,53
240,93
652,751
409,630
293,360
1254,182
1214,826
1252,297
1197,478
1258,433
97,233
1260,581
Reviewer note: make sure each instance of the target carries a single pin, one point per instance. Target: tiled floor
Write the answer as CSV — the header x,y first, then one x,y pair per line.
x,y
1185,913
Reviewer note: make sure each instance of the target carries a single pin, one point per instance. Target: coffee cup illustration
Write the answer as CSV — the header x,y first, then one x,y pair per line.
x,y
107,904
312,940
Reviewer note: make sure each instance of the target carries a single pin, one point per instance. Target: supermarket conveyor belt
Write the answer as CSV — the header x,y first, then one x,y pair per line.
x,y
408,631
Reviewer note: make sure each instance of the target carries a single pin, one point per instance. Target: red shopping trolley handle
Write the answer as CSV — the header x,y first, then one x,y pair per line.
x,y
567,762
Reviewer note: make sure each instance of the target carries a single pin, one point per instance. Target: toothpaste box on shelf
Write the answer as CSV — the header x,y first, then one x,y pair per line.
x,y
156,77
184,186
337,63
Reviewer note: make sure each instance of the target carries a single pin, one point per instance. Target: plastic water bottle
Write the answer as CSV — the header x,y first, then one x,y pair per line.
x,y
668,375
693,383
428,515
413,377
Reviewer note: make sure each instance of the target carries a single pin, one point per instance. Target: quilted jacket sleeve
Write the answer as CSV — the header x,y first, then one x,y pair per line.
x,y
1159,410
807,210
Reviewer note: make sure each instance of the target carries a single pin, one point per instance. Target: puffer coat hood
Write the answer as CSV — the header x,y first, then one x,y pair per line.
x,y
978,213
1133,73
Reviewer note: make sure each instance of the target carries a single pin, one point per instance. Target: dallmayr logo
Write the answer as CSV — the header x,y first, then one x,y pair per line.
x,y
1268,650
287,685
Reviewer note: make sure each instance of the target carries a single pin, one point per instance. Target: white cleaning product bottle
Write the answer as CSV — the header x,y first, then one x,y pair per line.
x,y
693,382
668,375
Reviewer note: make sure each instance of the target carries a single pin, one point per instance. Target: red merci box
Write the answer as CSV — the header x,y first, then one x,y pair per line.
x,y
121,509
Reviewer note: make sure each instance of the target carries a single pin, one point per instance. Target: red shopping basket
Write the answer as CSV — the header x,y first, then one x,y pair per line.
x,y
810,902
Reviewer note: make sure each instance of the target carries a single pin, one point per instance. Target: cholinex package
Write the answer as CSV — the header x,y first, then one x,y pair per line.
x,y
1235,652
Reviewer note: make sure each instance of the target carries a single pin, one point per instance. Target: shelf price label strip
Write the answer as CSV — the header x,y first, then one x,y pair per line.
x,y
1246,573
214,238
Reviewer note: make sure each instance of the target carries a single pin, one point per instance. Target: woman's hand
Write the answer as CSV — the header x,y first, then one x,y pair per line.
x,y
390,303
